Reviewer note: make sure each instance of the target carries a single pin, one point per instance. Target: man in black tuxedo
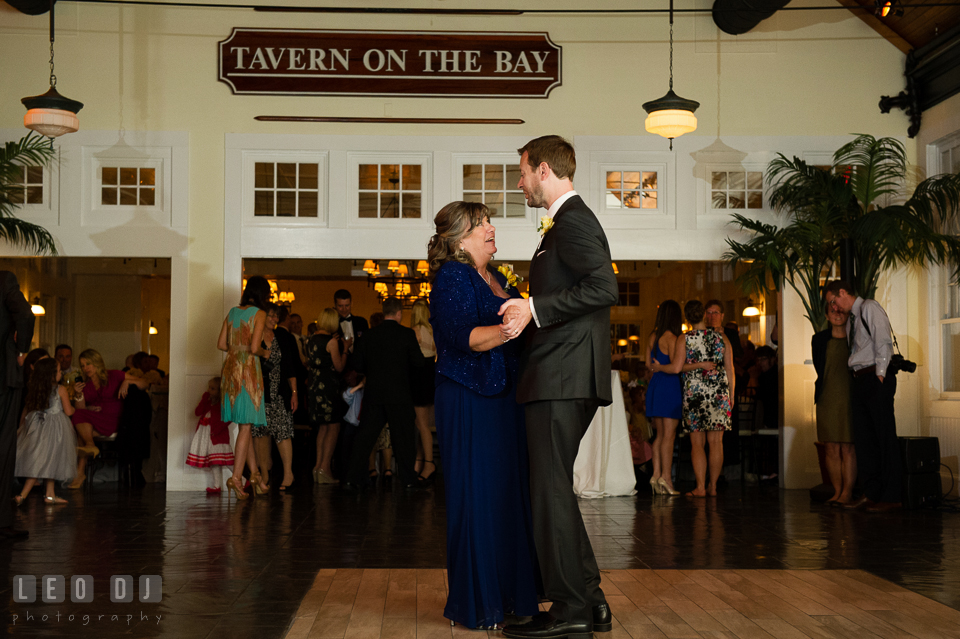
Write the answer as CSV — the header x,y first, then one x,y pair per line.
x,y
387,355
351,326
564,378
16,333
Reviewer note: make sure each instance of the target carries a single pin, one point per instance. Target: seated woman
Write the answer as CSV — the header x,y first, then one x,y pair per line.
x,y
99,407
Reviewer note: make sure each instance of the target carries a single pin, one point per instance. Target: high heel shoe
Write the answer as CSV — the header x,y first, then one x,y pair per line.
x,y
665,488
18,499
655,485
255,480
429,479
78,482
235,487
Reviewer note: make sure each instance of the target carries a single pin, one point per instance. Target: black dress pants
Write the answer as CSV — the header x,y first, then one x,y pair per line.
x,y
571,578
9,420
879,466
373,417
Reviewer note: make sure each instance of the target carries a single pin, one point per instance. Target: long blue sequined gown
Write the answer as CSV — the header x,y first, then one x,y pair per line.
x,y
491,560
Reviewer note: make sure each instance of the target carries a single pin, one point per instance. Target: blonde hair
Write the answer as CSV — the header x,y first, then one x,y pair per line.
x,y
420,315
96,359
454,222
328,320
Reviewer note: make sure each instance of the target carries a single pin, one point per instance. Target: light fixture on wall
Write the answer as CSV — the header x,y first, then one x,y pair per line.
x,y
153,329
616,271
885,8
51,114
671,116
751,310
36,309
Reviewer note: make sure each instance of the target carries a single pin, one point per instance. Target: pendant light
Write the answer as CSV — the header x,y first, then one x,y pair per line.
x,y
671,116
51,114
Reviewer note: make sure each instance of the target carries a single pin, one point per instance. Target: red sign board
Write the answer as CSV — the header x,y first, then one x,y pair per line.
x,y
389,63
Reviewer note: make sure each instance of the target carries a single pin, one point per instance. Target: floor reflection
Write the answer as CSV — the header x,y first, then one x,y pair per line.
x,y
242,569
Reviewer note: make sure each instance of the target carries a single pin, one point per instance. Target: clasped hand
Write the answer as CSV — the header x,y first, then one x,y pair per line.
x,y
516,315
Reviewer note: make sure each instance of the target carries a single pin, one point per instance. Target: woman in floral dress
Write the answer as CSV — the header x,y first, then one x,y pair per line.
x,y
705,357
325,361
241,381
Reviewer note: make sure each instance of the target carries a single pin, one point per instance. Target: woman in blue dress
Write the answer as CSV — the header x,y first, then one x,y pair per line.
x,y
491,560
664,397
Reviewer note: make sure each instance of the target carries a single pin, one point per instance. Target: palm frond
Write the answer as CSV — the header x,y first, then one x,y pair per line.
x,y
24,234
877,167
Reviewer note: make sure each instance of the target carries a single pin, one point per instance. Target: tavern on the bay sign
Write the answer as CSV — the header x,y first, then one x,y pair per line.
x,y
390,63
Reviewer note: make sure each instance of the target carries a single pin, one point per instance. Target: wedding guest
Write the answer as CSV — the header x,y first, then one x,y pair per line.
x,y
325,360
99,407
280,392
423,388
832,396
241,385
664,397
705,357
491,564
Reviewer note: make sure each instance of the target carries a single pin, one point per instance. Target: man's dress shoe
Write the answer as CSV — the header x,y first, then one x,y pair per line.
x,y
863,502
602,619
545,626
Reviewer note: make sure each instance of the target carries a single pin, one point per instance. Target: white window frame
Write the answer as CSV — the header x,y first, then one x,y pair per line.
x,y
249,161
462,159
600,162
355,159
160,159
639,167
745,167
47,213
940,280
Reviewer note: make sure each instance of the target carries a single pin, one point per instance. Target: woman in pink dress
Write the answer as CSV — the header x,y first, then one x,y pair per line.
x,y
99,407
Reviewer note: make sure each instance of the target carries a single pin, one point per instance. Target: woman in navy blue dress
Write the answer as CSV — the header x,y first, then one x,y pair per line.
x,y
491,560
664,397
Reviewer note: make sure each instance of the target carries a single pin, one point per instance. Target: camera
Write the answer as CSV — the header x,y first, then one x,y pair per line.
x,y
898,363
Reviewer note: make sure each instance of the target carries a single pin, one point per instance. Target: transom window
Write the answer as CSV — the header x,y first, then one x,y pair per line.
x,y
128,186
629,294
631,190
736,189
495,185
390,190
26,185
286,189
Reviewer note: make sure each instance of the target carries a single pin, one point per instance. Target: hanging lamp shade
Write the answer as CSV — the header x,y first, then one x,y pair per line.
x,y
51,114
671,116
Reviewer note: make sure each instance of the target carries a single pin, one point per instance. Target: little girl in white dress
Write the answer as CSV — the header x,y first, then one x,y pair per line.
x,y
46,441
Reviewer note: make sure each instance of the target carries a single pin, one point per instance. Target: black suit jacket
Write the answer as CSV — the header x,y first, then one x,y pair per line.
x,y
573,287
819,347
16,329
387,355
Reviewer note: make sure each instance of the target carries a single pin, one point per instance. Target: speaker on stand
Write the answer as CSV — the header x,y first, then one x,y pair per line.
x,y
921,471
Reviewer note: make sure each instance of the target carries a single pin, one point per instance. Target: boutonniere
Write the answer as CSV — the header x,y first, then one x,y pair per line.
x,y
546,223
512,278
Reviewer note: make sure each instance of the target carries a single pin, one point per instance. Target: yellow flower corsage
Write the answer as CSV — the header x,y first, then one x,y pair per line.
x,y
546,223
512,278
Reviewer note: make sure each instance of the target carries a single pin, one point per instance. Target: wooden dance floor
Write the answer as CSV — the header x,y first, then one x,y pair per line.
x,y
646,604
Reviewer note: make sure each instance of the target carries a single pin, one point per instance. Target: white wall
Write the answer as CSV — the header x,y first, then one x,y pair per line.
x,y
143,71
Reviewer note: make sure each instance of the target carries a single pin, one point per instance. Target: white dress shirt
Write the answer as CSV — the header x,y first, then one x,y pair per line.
x,y
552,211
869,347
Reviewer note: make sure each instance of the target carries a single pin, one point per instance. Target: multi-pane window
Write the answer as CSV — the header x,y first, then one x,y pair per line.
x,y
26,185
128,186
629,294
286,189
736,189
390,190
496,186
631,190
624,331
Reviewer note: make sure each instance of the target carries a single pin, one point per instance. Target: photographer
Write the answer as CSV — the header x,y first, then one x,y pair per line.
x,y
872,387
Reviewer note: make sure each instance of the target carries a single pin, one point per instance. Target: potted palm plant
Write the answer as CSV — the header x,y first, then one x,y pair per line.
x,y
860,203
15,157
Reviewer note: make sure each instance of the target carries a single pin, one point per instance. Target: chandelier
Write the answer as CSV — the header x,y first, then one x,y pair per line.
x,y
405,280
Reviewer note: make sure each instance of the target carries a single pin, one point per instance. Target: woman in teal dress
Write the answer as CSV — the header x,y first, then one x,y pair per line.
x,y
241,380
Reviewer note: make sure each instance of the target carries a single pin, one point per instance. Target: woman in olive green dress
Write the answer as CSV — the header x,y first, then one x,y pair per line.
x,y
832,395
